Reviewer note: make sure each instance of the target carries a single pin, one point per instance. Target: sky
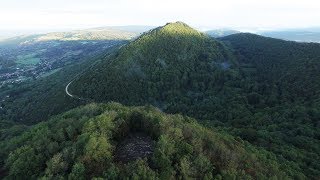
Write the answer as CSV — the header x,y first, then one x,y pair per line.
x,y
245,15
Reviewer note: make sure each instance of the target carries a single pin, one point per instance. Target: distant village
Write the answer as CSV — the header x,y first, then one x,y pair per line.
x,y
52,55
18,75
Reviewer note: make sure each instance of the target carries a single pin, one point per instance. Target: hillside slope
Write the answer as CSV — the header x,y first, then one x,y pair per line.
x,y
281,81
173,67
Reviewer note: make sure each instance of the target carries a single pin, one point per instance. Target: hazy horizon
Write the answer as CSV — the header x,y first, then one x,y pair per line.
x,y
42,16
4,34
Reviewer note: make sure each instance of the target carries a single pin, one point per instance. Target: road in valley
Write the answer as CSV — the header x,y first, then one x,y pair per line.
x,y
67,87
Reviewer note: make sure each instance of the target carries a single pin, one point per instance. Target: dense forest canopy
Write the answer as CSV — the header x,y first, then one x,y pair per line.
x,y
82,143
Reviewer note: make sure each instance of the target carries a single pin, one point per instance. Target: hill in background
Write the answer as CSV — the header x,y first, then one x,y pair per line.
x,y
102,33
299,35
216,33
167,66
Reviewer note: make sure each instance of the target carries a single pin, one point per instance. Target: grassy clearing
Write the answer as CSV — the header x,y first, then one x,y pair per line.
x,y
28,59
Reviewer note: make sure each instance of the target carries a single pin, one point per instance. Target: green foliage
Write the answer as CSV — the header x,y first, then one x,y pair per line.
x,y
24,162
52,150
78,172
282,84
56,165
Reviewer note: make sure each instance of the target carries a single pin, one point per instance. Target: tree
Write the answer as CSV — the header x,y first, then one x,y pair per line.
x,y
78,172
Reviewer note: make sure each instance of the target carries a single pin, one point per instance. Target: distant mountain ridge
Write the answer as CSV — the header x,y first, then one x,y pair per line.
x,y
295,35
95,34
298,35
216,33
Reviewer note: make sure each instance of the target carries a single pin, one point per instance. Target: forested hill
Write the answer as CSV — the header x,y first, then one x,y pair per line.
x,y
172,67
83,143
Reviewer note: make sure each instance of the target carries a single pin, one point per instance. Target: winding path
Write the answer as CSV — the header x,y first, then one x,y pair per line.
x,y
69,94
67,87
